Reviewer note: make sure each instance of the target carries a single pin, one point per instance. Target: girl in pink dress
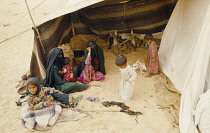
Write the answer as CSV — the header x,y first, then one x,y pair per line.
x,y
153,65
67,71
88,73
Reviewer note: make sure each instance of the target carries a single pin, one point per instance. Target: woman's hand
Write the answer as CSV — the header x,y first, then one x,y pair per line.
x,y
89,49
60,72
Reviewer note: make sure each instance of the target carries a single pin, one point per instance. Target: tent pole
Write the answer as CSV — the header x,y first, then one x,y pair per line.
x,y
35,27
72,27
124,11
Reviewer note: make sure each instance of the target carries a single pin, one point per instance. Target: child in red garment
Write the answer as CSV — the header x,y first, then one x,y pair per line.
x,y
67,70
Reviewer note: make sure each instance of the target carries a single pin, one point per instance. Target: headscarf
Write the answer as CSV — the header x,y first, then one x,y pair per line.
x,y
93,45
53,59
36,81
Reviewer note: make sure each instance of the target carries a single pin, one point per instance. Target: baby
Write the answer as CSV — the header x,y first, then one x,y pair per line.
x,y
67,70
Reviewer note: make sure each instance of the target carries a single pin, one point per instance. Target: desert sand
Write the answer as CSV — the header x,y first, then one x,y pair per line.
x,y
16,43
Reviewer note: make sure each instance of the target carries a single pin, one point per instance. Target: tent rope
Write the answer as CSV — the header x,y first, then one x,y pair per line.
x,y
39,4
15,35
35,28
24,30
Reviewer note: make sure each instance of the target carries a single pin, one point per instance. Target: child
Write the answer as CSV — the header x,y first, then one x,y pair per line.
x,y
41,97
67,70
128,77
153,65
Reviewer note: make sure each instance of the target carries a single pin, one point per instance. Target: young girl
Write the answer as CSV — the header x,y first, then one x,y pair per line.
x,y
128,76
88,73
41,97
153,65
67,70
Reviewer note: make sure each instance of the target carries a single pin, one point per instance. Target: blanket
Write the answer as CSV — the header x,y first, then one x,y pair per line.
x,y
39,119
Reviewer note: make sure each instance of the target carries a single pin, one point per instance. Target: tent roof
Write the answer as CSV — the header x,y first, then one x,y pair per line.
x,y
69,6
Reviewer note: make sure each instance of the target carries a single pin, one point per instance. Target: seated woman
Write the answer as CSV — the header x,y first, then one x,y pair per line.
x,y
97,57
54,78
88,74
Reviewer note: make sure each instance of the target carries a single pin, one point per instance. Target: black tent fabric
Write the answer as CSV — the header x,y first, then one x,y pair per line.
x,y
141,17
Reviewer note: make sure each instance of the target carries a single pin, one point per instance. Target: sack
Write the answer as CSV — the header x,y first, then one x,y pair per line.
x,y
21,100
21,85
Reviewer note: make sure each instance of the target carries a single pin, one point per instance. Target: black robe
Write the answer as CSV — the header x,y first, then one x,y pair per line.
x,y
53,59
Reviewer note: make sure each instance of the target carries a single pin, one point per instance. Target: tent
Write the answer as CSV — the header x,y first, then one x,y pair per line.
x,y
140,15
184,55
184,51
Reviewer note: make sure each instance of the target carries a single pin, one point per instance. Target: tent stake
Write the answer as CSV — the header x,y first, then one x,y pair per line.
x,y
35,27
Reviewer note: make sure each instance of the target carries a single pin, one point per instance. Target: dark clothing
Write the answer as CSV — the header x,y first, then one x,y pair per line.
x,y
111,40
54,78
63,98
97,56
53,59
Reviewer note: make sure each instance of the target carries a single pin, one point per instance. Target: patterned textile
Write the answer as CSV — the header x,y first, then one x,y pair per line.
x,y
69,74
37,102
88,74
153,65
39,119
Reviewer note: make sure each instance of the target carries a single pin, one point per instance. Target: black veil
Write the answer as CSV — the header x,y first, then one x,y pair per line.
x,y
54,57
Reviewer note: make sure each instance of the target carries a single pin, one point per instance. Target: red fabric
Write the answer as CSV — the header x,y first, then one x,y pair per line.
x,y
95,64
69,74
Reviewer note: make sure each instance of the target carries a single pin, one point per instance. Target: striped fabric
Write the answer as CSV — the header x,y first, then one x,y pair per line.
x,y
140,15
39,119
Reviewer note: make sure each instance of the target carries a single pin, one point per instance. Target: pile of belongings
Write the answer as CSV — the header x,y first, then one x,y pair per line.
x,y
79,42
78,45
125,43
21,88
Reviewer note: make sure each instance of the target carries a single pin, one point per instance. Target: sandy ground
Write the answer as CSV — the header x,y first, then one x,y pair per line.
x,y
15,58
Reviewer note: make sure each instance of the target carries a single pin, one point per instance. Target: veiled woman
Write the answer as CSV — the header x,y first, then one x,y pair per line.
x,y
54,78
97,57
